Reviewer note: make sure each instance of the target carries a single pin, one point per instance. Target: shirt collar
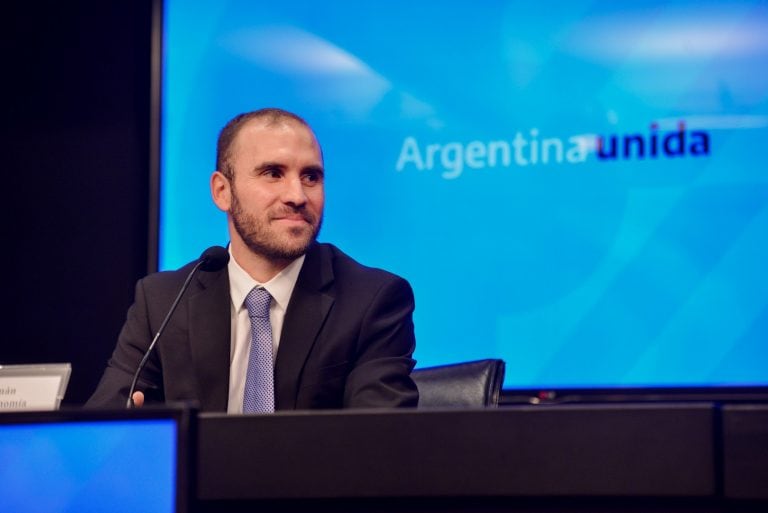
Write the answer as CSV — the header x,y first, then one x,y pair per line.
x,y
280,286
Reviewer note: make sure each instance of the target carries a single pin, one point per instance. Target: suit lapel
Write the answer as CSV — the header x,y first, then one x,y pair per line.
x,y
309,306
209,338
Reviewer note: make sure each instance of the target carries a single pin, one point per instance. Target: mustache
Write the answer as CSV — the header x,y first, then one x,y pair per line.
x,y
291,211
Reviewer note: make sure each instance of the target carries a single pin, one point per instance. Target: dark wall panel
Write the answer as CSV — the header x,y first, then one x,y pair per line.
x,y
76,221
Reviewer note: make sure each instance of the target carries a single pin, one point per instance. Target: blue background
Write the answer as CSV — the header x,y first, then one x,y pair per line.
x,y
81,467
599,273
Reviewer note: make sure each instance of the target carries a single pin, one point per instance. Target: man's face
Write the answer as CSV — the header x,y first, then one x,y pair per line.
x,y
277,192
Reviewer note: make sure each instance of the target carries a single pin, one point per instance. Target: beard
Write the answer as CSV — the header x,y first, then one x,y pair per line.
x,y
264,240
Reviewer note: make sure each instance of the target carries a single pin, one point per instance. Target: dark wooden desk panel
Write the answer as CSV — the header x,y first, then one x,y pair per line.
x,y
664,450
745,451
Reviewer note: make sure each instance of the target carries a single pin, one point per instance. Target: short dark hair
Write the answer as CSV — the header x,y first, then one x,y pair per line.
x,y
271,116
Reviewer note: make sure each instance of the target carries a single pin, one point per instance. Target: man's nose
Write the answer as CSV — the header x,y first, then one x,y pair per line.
x,y
293,192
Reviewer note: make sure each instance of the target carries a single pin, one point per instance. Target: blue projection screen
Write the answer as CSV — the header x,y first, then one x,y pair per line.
x,y
579,188
89,466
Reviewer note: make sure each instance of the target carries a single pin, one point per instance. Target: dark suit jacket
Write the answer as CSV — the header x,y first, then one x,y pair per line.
x,y
347,339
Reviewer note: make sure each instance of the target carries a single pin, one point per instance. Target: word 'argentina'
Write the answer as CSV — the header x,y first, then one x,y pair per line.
x,y
453,157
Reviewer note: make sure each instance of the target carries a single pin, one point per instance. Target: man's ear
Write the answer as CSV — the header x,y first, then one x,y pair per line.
x,y
221,191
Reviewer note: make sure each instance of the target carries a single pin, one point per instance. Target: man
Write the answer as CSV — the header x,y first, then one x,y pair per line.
x,y
339,334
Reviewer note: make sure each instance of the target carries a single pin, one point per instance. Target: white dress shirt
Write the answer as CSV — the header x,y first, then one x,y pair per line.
x,y
240,284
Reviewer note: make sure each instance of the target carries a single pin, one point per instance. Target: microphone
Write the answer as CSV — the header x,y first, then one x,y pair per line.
x,y
212,259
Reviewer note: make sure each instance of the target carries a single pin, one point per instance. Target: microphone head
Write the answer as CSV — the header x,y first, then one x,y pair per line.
x,y
214,259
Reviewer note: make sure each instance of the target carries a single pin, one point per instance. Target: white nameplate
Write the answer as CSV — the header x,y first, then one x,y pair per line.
x,y
33,387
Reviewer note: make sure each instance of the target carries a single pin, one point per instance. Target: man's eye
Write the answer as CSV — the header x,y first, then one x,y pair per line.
x,y
312,177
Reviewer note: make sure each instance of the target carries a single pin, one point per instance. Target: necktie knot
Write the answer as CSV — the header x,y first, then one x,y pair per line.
x,y
257,302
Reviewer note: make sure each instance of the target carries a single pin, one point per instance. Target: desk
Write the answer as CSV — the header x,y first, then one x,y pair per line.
x,y
657,457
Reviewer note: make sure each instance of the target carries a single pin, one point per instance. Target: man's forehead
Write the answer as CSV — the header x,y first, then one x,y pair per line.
x,y
250,132
277,125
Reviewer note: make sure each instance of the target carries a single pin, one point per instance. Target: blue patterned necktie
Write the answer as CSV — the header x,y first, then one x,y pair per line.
x,y
259,396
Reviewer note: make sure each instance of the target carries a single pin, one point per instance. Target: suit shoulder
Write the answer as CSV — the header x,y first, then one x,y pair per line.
x,y
167,279
347,268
